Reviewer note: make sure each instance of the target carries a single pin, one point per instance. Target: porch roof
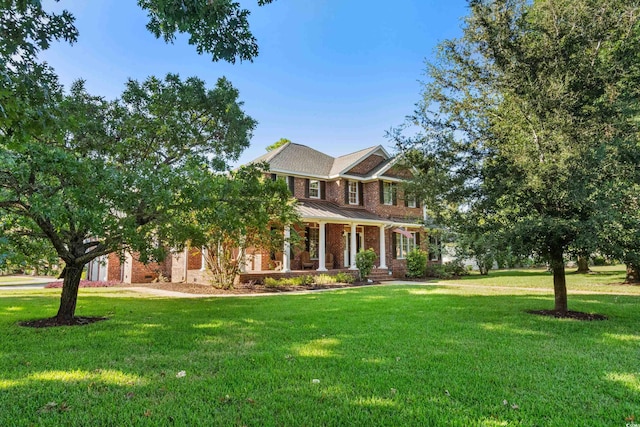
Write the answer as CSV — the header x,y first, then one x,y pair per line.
x,y
330,212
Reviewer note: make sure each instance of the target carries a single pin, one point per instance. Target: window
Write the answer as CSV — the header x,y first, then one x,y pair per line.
x,y
435,248
313,240
404,245
354,198
314,189
411,201
389,193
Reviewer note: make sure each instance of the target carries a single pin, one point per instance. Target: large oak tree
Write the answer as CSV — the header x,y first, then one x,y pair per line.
x,y
527,119
88,176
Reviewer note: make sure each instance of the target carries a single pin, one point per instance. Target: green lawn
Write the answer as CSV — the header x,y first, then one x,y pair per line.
x,y
602,279
391,355
22,280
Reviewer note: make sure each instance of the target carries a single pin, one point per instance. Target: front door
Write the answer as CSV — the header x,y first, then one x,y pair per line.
x,y
347,245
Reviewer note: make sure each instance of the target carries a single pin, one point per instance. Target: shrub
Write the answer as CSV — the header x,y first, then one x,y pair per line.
x,y
324,279
272,282
447,270
344,277
86,284
416,263
364,262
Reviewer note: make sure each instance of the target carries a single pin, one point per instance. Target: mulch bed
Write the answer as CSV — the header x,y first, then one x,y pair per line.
x,y
52,321
577,315
242,288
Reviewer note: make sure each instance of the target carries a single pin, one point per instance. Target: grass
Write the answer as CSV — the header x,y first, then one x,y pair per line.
x,y
21,280
394,355
602,279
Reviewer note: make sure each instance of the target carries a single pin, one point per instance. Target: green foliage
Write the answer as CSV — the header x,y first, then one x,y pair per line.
x,y
87,177
364,262
528,124
305,280
279,143
416,263
218,27
236,211
342,277
448,270
324,279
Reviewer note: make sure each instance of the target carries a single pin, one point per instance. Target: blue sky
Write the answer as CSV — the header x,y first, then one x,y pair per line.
x,y
331,74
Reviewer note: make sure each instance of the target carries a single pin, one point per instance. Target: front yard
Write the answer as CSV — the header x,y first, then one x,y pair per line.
x,y
386,355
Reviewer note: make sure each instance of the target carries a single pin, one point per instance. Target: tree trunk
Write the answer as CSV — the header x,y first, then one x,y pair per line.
x,y
583,265
69,297
633,274
559,280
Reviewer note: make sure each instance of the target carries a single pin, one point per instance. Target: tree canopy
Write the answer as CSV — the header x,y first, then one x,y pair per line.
x,y
528,121
83,176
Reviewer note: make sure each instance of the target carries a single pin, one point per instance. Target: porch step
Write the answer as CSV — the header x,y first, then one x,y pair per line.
x,y
380,275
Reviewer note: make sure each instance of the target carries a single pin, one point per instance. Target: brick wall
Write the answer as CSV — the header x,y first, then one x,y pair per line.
x,y
335,244
114,267
398,172
195,259
366,166
372,240
372,203
145,273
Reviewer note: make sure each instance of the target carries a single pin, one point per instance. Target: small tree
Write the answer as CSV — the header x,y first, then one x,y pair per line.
x,y
364,262
246,211
416,263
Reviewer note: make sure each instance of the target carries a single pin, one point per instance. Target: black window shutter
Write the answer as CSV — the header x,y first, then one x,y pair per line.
x,y
346,192
394,194
323,187
418,240
406,200
360,194
274,177
394,248
291,183
306,189
306,239
381,192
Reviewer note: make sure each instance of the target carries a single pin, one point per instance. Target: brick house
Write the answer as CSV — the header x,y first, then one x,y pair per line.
x,y
346,203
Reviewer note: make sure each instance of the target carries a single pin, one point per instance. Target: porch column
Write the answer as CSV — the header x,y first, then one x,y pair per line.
x,y
353,247
321,245
203,262
286,262
186,263
383,249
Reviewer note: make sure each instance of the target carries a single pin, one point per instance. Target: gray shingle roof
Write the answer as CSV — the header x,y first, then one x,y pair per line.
x,y
300,159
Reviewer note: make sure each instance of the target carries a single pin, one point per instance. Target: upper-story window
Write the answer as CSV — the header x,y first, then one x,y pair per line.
x,y
411,201
389,193
314,189
354,197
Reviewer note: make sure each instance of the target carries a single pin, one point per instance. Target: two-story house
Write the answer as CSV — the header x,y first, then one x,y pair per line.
x,y
346,203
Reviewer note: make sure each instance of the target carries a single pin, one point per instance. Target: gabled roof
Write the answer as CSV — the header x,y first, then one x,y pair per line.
x,y
299,159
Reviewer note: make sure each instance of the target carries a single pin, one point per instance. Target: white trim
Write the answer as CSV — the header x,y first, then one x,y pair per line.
x,y
353,246
383,248
321,245
286,262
